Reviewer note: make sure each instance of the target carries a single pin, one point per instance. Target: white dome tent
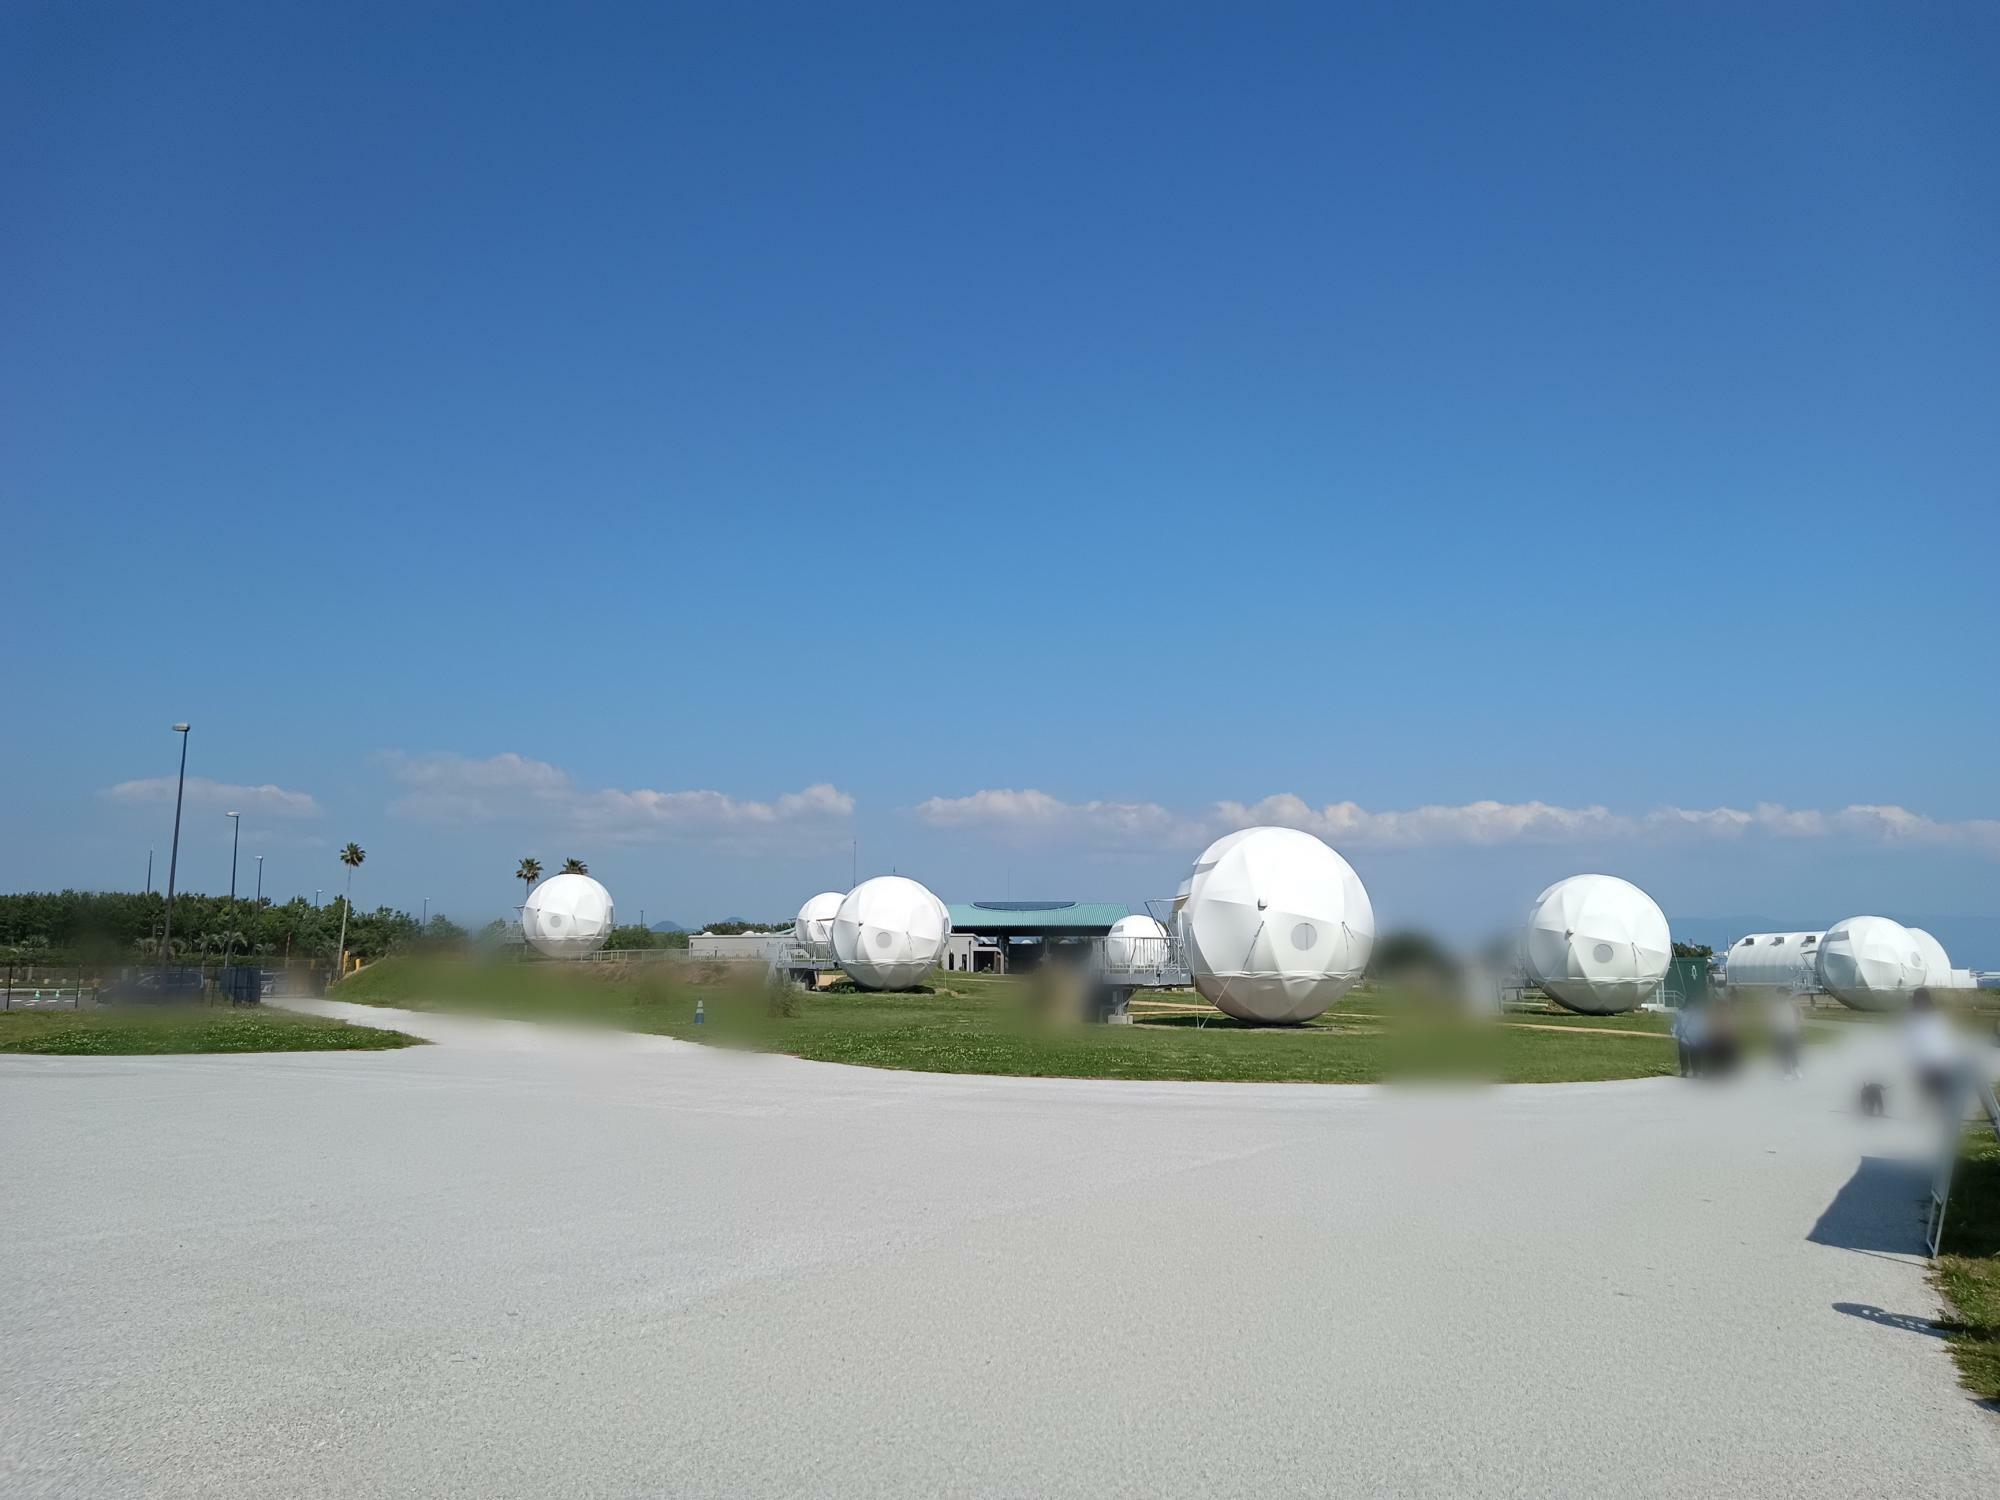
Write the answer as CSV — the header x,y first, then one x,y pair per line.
x,y
1599,945
1782,962
567,916
1871,963
1135,944
889,933
1937,964
814,924
1276,925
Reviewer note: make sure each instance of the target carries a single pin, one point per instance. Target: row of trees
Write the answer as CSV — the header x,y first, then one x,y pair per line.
x,y
529,870
127,926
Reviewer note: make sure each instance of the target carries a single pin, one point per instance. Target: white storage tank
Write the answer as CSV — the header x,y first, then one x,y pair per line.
x,y
1275,924
1871,963
1777,961
1597,944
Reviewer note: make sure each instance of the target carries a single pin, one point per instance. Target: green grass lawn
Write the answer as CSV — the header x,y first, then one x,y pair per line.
x,y
103,1032
1968,1269
977,1024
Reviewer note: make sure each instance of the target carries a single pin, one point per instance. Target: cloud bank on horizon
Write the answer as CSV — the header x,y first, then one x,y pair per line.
x,y
447,788
1031,816
205,794
450,788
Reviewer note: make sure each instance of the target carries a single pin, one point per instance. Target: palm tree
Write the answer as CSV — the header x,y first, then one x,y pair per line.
x,y
575,866
529,872
351,856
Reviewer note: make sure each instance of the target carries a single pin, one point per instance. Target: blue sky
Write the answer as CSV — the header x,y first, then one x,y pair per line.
x,y
697,437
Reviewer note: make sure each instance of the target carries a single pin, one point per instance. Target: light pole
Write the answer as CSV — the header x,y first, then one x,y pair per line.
x,y
149,872
174,856
260,880
425,925
235,834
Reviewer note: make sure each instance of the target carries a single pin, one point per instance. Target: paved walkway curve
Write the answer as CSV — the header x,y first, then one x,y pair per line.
x,y
522,1265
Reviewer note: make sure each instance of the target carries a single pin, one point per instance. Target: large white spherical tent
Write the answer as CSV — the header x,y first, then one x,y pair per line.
x,y
1135,943
1277,926
1871,963
567,916
1598,944
1786,962
1937,964
814,924
889,932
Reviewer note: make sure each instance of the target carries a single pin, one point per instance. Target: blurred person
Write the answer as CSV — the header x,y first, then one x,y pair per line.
x,y
1691,1036
1725,1042
1932,1047
1785,1034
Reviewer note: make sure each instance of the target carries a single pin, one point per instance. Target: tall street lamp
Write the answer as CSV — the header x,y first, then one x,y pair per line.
x,y
174,857
260,880
235,836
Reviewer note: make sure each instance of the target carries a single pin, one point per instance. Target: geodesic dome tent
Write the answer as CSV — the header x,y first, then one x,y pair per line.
x,y
1134,944
1871,963
567,916
889,932
814,924
1599,945
1937,963
1786,962
1276,925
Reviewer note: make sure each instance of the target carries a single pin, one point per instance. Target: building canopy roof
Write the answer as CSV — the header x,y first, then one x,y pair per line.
x,y
1036,916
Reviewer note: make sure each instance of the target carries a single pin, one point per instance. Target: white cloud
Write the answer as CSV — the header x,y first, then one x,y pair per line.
x,y
270,801
1035,816
448,788
1032,816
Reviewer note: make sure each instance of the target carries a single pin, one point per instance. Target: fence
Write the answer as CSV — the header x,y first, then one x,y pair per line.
x,y
32,986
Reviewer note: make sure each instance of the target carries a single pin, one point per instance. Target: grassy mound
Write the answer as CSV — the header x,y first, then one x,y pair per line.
x,y
980,1024
1968,1270
106,1032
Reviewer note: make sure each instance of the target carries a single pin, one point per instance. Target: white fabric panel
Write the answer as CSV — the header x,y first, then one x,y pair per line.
x,y
889,933
567,916
1276,925
1871,963
1598,944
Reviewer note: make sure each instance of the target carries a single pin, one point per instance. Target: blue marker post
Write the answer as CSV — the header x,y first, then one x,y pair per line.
x,y
697,1011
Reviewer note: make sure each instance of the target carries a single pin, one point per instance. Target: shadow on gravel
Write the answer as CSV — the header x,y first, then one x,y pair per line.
x,y
1879,1209
1871,1314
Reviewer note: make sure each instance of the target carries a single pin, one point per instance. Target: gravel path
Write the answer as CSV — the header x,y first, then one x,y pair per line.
x,y
519,1264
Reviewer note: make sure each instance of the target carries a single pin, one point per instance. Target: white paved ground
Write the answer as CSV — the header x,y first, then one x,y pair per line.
x,y
495,1268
